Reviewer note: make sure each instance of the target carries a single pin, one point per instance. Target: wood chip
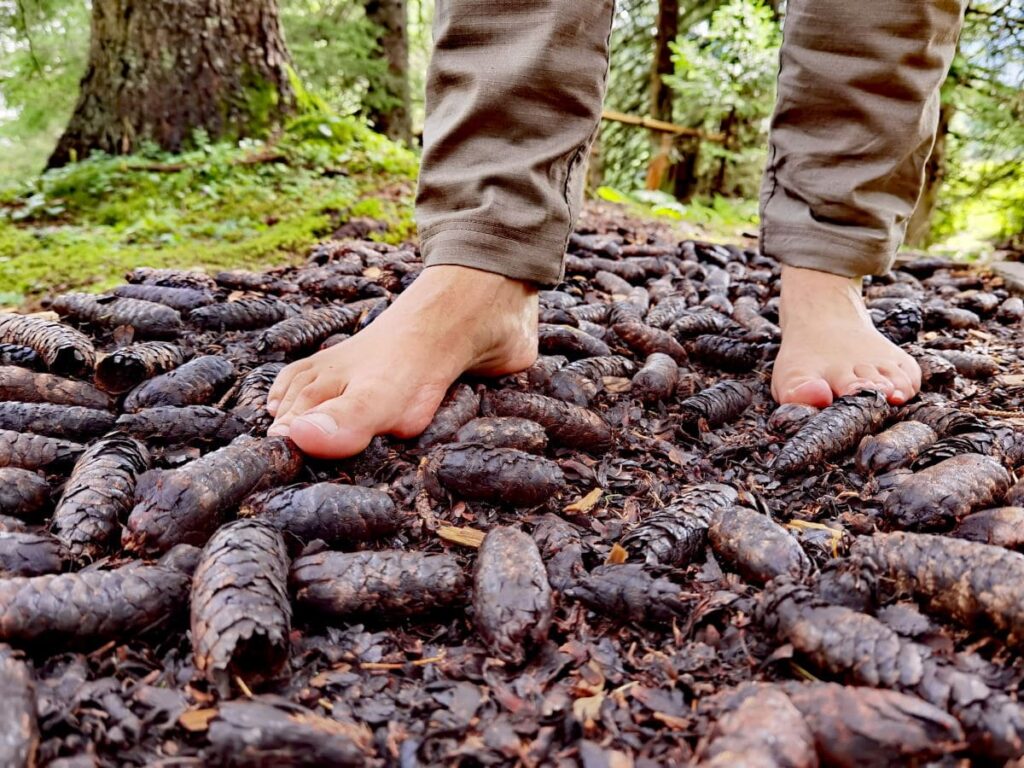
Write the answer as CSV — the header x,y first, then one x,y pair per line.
x,y
467,537
617,556
197,720
586,503
616,384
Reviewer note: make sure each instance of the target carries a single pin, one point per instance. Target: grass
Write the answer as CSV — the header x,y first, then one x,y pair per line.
x,y
250,205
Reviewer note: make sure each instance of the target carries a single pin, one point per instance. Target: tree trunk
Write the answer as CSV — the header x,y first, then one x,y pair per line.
x,y
727,128
391,18
684,173
668,31
661,94
159,70
919,227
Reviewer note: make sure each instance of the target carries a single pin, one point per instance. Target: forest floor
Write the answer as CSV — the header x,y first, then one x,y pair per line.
x,y
624,556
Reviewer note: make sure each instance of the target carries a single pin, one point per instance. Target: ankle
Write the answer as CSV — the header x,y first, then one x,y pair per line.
x,y
808,294
475,283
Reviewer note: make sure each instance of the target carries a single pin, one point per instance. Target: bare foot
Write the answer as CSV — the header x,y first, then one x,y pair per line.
x,y
830,346
390,377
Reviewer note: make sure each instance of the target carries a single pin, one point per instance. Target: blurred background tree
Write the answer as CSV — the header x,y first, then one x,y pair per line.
x,y
707,67
162,70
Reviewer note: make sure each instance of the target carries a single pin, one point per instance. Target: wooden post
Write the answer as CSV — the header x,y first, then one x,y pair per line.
x,y
660,163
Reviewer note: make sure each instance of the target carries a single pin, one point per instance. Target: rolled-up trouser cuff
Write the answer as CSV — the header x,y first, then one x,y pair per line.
x,y
513,100
513,254
854,123
824,250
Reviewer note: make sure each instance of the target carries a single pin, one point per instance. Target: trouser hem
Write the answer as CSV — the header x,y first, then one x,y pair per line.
x,y
825,251
511,255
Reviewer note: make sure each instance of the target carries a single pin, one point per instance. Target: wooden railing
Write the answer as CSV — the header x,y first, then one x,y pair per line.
x,y
670,133
661,126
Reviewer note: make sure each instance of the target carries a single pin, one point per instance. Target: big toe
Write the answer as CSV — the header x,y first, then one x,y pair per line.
x,y
335,429
804,389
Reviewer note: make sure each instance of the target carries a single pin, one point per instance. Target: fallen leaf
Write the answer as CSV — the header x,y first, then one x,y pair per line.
x,y
123,335
197,720
617,556
467,537
677,457
585,503
1010,380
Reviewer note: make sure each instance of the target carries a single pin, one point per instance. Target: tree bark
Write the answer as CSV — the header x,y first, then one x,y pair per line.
x,y
661,94
728,128
668,30
919,228
684,173
391,18
159,70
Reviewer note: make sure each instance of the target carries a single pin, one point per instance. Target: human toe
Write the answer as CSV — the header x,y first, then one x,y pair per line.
x,y
318,391
845,381
282,383
874,377
902,386
912,369
337,428
806,389
295,387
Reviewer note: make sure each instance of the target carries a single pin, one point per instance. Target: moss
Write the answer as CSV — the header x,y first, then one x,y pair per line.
x,y
395,214
85,225
258,105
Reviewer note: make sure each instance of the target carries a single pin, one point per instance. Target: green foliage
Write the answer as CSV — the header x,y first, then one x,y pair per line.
x,y
730,68
981,203
725,217
336,54
982,198
221,205
43,45
626,151
725,82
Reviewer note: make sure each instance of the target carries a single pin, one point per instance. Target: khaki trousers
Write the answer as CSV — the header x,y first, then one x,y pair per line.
x,y
514,94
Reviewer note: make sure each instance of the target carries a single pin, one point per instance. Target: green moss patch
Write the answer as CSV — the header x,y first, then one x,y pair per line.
x,y
250,204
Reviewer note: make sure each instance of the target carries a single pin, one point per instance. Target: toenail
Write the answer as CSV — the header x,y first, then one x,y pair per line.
x,y
897,394
272,404
321,421
278,430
